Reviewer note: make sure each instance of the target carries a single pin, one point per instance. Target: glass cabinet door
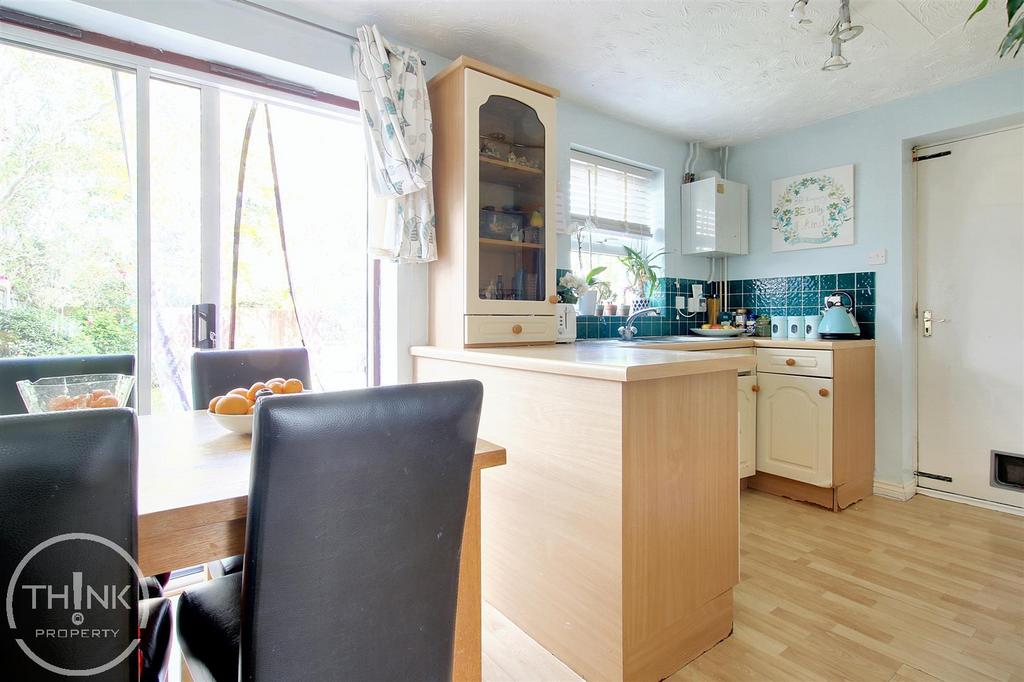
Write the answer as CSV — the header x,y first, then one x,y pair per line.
x,y
513,215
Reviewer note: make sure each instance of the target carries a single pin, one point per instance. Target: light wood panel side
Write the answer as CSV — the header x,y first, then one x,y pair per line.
x,y
680,525
552,516
853,450
447,277
464,62
467,664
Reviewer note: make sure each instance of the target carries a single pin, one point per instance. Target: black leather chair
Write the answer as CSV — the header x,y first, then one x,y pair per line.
x,y
215,372
356,510
13,370
75,472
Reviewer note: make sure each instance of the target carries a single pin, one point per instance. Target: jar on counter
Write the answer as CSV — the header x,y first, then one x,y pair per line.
x,y
763,326
741,318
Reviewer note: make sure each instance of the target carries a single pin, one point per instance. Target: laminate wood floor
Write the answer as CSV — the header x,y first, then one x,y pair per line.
x,y
911,591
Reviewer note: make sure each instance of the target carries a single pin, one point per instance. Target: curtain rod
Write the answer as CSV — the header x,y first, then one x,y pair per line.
x,y
300,20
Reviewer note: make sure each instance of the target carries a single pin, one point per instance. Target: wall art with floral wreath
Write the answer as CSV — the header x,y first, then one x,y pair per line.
x,y
813,210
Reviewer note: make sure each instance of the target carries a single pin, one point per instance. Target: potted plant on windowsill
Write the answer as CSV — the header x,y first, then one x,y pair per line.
x,y
585,289
643,278
609,300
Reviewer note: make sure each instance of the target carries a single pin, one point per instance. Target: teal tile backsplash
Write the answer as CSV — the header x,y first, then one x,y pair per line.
x,y
803,295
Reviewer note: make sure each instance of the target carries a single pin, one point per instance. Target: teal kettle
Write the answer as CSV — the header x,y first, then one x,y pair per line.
x,y
837,321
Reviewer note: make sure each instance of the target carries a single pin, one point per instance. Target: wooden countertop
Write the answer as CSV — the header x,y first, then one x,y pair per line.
x,y
608,361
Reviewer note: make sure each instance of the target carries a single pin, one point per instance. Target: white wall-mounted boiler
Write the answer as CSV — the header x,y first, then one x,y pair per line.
x,y
714,218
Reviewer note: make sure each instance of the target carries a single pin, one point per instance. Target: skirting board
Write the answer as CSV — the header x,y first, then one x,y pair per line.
x,y
894,491
973,501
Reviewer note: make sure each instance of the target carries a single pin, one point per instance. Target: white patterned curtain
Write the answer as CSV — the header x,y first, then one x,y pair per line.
x,y
399,145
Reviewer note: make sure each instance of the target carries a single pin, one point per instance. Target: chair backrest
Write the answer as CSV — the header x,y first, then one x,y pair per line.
x,y
356,510
13,370
60,473
215,372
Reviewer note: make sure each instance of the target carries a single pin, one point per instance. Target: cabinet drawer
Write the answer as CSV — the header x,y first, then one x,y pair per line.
x,y
808,363
485,330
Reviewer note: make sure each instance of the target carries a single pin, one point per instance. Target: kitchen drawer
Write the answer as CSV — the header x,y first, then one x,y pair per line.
x,y
808,363
487,330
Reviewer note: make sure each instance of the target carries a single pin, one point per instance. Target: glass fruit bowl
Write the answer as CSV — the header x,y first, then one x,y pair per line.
x,y
78,392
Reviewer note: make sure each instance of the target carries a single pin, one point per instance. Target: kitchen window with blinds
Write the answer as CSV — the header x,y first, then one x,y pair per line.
x,y
617,197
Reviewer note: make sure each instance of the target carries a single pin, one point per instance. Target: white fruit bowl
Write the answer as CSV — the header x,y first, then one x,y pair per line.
x,y
239,423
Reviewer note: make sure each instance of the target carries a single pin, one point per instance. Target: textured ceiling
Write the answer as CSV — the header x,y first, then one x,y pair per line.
x,y
719,71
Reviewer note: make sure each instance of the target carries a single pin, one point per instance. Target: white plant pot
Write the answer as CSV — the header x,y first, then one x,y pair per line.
x,y
587,303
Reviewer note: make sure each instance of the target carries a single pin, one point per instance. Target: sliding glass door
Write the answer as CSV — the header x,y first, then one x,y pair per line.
x,y
67,212
252,203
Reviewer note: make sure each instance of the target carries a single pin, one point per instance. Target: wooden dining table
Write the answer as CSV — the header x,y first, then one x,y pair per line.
x,y
193,499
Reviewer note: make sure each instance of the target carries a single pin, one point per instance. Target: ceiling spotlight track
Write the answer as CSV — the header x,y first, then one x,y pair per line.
x,y
836,61
798,12
844,29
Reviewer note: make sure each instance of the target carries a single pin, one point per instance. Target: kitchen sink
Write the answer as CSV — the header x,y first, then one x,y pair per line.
x,y
651,340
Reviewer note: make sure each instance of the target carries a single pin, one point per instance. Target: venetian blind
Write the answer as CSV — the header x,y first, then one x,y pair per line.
x,y
615,196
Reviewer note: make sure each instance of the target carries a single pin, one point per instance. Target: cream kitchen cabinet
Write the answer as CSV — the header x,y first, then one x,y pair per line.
x,y
815,421
746,399
794,427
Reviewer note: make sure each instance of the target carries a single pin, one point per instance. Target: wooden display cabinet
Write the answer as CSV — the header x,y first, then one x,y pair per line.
x,y
494,185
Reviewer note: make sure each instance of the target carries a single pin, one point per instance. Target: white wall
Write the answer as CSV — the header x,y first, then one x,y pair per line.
x,y
877,141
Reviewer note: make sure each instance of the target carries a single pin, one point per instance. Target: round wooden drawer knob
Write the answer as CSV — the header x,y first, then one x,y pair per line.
x,y
517,329
790,361
553,298
755,388
823,392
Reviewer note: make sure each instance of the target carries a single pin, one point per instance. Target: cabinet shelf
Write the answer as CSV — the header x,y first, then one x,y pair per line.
x,y
503,172
508,244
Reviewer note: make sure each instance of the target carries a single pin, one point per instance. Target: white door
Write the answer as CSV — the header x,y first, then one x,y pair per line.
x,y
794,427
970,221
747,401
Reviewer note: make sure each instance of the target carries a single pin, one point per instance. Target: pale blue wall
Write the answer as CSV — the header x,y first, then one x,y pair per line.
x,y
877,141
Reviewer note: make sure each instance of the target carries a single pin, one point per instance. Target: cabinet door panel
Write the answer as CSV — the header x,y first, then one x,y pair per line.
x,y
510,190
746,398
794,428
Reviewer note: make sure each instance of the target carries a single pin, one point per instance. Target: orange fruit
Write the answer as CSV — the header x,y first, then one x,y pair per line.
x,y
213,403
276,386
293,386
251,393
239,391
275,379
232,403
249,411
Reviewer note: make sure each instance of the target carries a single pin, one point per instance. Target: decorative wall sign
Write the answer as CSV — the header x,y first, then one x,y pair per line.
x,y
814,210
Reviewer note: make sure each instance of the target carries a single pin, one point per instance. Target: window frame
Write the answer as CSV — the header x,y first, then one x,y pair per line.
x,y
210,86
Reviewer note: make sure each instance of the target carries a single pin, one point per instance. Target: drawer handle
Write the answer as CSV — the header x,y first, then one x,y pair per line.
x,y
755,388
517,329
553,298
790,361
823,392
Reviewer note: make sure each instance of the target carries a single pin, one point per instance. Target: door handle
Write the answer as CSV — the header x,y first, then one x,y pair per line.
x,y
929,320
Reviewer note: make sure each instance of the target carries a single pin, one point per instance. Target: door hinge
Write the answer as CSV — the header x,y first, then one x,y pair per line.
x,y
934,477
936,155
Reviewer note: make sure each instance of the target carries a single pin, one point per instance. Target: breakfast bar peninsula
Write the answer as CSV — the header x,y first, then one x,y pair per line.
x,y
611,535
